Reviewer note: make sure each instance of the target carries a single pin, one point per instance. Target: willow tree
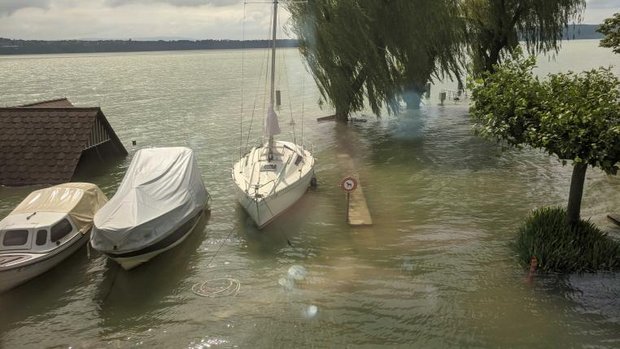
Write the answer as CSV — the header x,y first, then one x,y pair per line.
x,y
611,30
425,38
495,27
336,41
372,51
575,117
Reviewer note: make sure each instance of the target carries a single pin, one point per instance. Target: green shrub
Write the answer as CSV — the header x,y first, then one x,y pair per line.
x,y
561,248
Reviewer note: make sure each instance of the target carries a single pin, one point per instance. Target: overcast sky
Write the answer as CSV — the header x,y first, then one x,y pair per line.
x,y
140,19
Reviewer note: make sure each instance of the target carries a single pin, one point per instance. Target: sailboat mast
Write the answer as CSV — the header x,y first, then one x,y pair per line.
x,y
273,64
273,54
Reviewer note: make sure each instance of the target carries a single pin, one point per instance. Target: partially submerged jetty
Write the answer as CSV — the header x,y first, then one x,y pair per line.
x,y
357,209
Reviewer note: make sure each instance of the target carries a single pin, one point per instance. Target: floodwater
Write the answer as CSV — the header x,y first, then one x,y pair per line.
x,y
435,270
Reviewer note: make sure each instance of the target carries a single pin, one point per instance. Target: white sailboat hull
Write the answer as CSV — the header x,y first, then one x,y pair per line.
x,y
264,195
264,211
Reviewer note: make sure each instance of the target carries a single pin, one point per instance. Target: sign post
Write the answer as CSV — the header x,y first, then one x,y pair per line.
x,y
348,184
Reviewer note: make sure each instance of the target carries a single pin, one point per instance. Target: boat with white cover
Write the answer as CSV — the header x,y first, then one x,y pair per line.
x,y
44,229
157,205
274,175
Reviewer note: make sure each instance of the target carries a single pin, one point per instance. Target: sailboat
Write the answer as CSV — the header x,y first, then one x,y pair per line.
x,y
274,175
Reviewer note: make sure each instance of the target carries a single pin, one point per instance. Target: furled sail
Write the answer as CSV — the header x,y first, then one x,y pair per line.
x,y
272,127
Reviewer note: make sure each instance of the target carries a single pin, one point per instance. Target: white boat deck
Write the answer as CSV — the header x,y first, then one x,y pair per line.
x,y
260,176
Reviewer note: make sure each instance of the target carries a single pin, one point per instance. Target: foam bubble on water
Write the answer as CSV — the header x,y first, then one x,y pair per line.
x,y
286,283
297,272
310,311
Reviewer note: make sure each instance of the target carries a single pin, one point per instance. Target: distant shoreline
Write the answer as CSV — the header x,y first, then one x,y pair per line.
x,y
29,47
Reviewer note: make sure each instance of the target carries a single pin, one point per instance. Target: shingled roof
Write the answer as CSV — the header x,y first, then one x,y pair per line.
x,y
42,143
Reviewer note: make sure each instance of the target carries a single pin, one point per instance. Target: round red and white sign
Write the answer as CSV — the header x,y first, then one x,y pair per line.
x,y
348,184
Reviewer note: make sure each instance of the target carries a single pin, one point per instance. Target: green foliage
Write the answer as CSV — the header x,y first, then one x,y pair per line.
x,y
332,35
611,29
573,116
369,51
558,247
494,27
424,37
507,103
581,121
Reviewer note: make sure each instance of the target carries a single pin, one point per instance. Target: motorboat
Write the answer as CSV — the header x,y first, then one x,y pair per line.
x,y
272,176
48,226
157,205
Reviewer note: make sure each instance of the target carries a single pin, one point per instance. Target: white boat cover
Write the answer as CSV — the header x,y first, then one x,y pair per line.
x,y
161,190
80,201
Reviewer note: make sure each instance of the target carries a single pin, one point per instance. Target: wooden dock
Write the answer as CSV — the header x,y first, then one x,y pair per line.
x,y
358,213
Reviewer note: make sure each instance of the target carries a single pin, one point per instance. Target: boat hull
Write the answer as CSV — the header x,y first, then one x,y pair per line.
x,y
19,273
132,259
264,210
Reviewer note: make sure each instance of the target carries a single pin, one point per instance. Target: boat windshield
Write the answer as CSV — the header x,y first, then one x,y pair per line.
x,y
39,239
14,238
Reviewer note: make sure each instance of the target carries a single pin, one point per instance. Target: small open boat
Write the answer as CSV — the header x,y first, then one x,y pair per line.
x,y
157,205
45,228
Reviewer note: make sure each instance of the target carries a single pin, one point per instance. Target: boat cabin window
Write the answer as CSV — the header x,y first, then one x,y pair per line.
x,y
15,237
298,160
41,237
60,230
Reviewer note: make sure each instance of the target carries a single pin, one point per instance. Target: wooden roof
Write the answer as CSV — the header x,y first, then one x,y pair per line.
x,y
43,144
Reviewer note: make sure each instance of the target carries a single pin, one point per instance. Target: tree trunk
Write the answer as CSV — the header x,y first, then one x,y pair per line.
x,y
576,193
412,99
342,116
493,57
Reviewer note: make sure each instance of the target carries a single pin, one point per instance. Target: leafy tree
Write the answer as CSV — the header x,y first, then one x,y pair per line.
x,y
425,38
611,29
494,27
373,51
334,40
573,116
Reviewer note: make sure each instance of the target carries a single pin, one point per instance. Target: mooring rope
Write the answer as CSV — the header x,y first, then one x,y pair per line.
x,y
220,287
223,286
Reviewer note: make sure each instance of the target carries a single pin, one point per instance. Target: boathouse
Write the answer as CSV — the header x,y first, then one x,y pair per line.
x,y
42,143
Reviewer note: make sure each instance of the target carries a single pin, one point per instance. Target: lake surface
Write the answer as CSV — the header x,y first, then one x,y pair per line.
x,y
435,270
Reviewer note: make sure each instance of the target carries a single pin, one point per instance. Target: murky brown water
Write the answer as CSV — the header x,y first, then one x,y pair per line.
x,y
435,270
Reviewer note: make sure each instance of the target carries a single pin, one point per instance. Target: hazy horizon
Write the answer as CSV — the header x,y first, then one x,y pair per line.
x,y
188,19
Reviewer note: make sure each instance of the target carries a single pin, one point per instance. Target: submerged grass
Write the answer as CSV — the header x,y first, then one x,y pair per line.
x,y
559,247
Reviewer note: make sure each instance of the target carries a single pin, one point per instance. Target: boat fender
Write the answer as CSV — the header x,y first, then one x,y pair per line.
x,y
313,182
